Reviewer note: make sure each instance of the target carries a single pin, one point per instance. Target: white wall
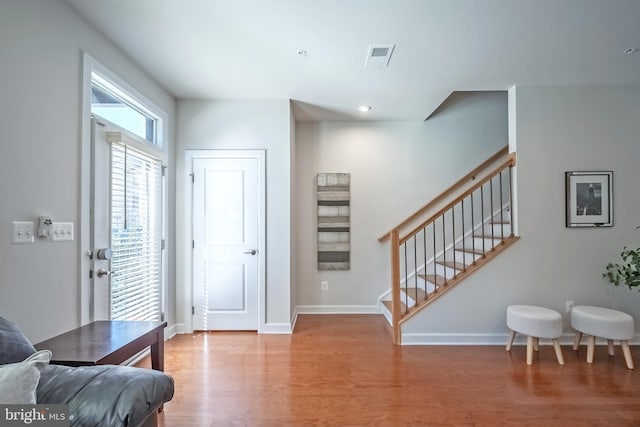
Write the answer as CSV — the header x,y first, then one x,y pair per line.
x,y
40,125
396,167
557,129
241,125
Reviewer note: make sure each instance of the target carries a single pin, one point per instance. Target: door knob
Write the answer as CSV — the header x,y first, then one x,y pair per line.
x,y
102,272
104,254
251,252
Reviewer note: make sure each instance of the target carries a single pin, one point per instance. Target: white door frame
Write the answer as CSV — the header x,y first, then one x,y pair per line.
x,y
190,156
90,65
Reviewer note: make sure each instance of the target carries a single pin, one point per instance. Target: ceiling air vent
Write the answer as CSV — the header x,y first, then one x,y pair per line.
x,y
378,55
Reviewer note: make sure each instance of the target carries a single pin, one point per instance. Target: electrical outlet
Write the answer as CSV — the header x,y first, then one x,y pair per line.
x,y
568,305
44,226
324,285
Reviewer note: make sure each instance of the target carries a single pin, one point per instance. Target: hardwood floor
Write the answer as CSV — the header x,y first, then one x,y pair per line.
x,y
343,370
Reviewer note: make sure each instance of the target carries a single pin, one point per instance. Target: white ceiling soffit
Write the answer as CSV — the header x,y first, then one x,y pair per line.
x,y
378,56
248,49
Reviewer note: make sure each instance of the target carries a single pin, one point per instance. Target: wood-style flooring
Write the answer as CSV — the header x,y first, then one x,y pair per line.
x,y
343,370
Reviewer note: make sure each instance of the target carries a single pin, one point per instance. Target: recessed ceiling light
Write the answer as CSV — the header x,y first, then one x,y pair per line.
x,y
364,108
302,52
631,50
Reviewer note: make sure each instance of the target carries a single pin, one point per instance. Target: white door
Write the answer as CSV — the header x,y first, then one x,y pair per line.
x,y
126,226
228,212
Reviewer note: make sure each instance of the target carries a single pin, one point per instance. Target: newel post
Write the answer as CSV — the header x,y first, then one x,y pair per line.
x,y
395,285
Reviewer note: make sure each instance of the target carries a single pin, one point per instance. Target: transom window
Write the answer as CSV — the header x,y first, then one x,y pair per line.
x,y
108,101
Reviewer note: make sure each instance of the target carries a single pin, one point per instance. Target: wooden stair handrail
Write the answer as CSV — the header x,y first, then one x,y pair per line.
x,y
448,191
511,161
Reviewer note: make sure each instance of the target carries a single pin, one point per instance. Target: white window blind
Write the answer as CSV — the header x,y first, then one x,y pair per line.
x,y
136,235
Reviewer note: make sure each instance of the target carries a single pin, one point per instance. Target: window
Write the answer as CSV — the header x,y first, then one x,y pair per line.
x,y
113,104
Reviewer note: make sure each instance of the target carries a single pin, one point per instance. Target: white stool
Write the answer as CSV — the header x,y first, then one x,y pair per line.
x,y
605,323
535,323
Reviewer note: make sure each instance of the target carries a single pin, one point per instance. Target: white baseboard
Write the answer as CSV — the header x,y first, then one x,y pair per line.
x,y
294,319
269,328
337,309
276,328
170,331
487,339
181,328
453,339
384,295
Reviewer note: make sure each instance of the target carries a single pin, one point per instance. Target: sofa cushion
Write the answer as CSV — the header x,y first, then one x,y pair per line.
x,y
14,346
18,381
105,395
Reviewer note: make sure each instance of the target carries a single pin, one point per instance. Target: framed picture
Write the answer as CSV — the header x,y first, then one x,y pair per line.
x,y
589,199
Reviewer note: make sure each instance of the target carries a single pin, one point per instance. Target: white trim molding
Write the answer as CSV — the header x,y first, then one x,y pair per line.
x,y
337,309
276,328
487,339
170,331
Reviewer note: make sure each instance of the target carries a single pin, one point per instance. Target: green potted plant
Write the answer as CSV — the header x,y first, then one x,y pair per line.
x,y
626,272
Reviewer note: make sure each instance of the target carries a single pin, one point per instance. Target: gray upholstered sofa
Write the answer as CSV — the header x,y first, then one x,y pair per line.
x,y
105,396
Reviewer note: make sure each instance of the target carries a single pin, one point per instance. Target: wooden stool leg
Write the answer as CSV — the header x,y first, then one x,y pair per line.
x,y
610,347
536,343
627,353
510,340
591,345
556,347
576,340
529,350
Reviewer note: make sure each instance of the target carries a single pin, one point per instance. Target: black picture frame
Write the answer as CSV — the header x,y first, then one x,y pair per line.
x,y
589,199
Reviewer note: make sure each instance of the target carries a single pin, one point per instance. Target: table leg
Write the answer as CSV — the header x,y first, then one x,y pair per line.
x,y
157,356
157,352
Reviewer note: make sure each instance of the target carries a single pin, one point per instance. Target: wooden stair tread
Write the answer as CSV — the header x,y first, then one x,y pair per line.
x,y
433,278
476,251
415,293
452,264
496,236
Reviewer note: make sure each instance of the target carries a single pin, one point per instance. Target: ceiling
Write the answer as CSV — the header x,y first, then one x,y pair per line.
x,y
248,49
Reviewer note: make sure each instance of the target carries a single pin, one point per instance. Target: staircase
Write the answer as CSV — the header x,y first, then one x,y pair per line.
x,y
448,239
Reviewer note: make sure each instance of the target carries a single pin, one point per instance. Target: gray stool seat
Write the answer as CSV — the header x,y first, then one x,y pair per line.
x,y
535,322
605,323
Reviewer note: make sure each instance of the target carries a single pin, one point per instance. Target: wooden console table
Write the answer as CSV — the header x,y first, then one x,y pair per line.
x,y
107,343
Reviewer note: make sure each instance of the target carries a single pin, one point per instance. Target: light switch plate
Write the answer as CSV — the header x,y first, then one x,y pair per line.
x,y
22,232
62,231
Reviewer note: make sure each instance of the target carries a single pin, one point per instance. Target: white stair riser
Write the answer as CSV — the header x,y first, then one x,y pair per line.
x,y
407,298
432,287
465,257
497,229
478,242
386,313
442,270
